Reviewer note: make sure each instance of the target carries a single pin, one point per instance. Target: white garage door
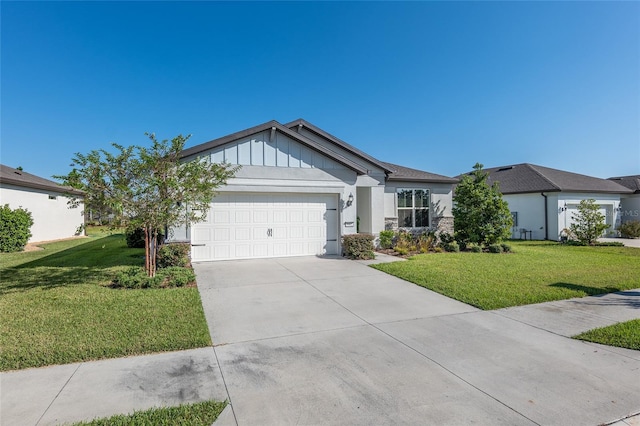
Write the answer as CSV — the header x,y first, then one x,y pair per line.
x,y
245,226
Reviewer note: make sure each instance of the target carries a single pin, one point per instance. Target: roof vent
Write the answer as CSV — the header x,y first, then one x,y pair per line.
x,y
17,172
505,168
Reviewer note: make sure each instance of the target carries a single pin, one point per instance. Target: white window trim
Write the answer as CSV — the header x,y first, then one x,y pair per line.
x,y
414,208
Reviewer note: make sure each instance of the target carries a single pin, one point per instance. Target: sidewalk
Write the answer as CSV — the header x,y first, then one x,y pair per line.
x,y
83,391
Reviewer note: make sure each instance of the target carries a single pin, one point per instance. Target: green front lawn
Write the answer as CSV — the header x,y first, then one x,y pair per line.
x,y
536,271
624,335
56,308
198,414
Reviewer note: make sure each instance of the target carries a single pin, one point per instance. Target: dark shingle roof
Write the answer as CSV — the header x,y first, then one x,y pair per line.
x,y
11,176
405,173
631,182
283,129
528,178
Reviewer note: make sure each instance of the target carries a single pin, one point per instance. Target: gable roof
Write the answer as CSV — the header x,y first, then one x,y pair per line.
x,y
529,178
393,171
413,175
297,124
631,182
285,130
16,177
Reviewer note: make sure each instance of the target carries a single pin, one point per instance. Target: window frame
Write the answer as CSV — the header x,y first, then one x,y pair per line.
x,y
413,208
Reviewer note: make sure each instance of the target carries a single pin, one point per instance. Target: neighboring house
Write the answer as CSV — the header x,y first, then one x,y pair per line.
x,y
543,201
300,190
45,199
629,203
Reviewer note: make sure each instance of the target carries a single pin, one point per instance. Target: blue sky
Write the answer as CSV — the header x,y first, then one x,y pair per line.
x,y
436,86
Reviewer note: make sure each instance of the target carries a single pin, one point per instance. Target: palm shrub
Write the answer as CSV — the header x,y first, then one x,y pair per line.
x,y
15,228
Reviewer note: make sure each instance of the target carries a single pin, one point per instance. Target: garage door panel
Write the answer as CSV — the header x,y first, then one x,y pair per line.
x,y
267,225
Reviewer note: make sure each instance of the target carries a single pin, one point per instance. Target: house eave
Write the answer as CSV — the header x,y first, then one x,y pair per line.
x,y
206,146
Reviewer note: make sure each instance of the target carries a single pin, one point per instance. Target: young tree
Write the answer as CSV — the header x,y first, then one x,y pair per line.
x,y
480,215
589,222
148,187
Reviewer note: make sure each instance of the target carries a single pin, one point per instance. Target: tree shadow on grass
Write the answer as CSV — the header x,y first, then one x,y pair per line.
x,y
88,262
589,291
628,298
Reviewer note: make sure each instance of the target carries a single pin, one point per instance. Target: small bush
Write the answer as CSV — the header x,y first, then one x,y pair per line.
x,y
475,248
452,247
136,277
358,246
495,248
506,247
406,242
609,244
386,239
135,237
174,254
426,241
445,238
15,228
630,229
176,276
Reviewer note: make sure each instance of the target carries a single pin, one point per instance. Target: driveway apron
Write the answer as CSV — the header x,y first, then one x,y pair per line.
x,y
314,341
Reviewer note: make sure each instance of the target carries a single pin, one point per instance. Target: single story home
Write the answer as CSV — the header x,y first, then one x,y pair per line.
x,y
543,201
629,203
47,202
300,189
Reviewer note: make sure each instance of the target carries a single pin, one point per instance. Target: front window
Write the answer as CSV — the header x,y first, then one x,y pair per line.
x,y
413,208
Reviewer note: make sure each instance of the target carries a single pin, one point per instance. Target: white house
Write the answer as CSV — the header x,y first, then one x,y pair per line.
x,y
629,203
45,199
300,190
543,201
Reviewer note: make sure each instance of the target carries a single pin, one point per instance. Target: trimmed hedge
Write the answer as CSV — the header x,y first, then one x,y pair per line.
x,y
15,228
630,229
358,246
173,254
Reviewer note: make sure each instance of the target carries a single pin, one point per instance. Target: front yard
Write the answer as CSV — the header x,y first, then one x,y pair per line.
x,y
56,308
535,272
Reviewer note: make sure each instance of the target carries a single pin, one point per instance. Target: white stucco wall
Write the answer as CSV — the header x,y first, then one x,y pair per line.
x,y
630,207
530,210
52,218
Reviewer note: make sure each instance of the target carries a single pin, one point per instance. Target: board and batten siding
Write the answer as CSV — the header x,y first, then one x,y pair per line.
x,y
280,151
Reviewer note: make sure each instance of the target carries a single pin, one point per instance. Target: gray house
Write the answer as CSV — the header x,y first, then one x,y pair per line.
x,y
300,189
629,203
543,201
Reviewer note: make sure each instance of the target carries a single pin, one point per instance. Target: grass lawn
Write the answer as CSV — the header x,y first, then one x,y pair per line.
x,y
198,414
624,335
536,271
56,309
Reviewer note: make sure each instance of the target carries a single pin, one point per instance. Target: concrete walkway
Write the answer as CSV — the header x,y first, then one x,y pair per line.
x,y
331,341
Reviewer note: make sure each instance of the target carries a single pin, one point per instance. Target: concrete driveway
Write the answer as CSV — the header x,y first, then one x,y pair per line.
x,y
330,341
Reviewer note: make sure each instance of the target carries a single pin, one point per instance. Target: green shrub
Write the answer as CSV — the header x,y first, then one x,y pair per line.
x,y
176,276
445,238
386,239
135,237
173,254
406,242
495,248
136,277
630,229
358,246
452,247
609,244
15,228
506,247
427,241
475,248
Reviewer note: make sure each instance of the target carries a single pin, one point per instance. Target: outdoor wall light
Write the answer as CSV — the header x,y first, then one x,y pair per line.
x,y
350,200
